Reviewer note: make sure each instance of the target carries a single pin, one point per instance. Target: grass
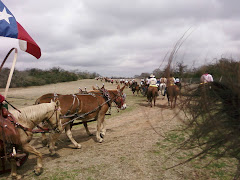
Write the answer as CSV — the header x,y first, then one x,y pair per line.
x,y
73,174
61,174
222,169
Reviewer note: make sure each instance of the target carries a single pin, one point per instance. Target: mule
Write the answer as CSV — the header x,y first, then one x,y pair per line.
x,y
143,89
172,92
25,120
152,94
134,88
86,107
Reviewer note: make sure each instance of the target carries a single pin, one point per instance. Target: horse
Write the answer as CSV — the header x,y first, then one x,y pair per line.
x,y
162,87
152,94
172,94
135,87
121,81
86,107
25,120
126,83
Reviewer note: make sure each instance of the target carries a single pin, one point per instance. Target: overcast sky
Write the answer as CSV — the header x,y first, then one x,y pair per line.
x,y
124,37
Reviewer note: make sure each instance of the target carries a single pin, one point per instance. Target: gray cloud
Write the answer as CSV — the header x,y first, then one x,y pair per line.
x,y
124,38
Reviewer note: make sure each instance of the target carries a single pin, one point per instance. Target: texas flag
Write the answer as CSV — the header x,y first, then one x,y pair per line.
x,y
9,27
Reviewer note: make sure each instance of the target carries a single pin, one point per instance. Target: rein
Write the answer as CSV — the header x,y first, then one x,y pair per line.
x,y
18,125
55,129
12,105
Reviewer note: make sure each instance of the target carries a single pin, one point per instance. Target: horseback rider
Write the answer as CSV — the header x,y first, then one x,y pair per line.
x,y
163,80
152,81
178,83
170,82
177,80
205,78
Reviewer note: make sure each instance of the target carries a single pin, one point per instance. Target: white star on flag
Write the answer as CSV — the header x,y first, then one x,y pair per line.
x,y
4,15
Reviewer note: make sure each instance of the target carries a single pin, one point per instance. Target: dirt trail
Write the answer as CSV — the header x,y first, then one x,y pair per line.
x,y
129,147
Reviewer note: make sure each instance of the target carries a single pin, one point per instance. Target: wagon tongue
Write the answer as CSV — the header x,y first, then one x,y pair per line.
x,y
41,130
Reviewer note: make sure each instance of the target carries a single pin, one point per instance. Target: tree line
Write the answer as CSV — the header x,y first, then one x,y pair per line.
x,y
217,69
38,77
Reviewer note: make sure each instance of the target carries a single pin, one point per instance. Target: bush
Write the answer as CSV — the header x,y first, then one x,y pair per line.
x,y
38,77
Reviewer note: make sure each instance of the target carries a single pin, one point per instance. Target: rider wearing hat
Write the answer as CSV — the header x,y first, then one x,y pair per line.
x,y
170,82
152,81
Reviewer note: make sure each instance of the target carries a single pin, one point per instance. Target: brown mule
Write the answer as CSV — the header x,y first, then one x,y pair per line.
x,y
85,107
172,93
135,88
152,94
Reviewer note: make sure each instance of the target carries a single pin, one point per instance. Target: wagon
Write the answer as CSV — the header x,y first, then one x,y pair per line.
x,y
6,153
8,150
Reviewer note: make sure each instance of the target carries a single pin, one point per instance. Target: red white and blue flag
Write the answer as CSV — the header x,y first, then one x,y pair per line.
x,y
9,27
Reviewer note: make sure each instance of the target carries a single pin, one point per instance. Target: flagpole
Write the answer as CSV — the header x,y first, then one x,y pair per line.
x,y
11,71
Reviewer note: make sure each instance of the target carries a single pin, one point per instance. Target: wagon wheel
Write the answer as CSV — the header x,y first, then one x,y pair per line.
x,y
21,158
4,165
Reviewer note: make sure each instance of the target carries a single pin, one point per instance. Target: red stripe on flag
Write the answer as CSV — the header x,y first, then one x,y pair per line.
x,y
32,47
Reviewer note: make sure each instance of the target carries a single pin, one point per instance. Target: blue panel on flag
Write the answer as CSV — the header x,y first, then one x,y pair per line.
x,y
8,24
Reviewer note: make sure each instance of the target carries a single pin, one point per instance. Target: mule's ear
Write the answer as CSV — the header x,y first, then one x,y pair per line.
x,y
118,86
58,103
122,88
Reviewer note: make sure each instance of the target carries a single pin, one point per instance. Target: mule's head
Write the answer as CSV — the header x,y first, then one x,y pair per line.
x,y
54,119
120,98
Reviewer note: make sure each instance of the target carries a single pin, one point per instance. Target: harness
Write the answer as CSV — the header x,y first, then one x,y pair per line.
x,y
8,129
103,93
68,115
77,116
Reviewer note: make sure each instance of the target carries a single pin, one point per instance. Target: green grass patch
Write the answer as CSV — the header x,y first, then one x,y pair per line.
x,y
61,174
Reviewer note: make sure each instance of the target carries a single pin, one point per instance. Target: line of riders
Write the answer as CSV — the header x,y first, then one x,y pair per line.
x,y
161,84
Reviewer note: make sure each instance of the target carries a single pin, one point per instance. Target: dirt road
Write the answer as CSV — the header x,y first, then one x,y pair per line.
x,y
133,148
